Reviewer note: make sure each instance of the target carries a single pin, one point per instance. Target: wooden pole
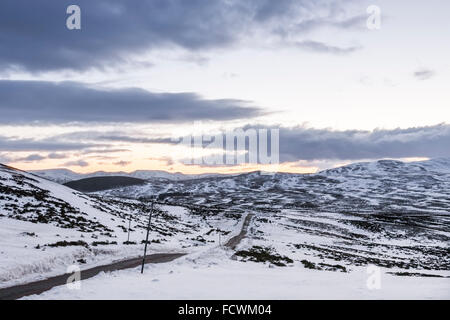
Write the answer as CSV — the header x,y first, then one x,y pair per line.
x,y
146,239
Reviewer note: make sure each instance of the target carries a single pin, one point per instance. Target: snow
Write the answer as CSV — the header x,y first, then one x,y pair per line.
x,y
21,261
387,213
213,275
65,175
24,252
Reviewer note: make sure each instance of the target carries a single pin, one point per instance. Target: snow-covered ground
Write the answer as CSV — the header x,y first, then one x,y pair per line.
x,y
213,275
22,261
46,227
311,236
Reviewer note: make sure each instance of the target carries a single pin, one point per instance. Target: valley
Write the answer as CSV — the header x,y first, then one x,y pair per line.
x,y
388,214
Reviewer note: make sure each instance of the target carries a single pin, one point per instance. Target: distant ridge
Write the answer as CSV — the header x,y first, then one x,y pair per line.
x,y
386,167
439,165
103,183
65,175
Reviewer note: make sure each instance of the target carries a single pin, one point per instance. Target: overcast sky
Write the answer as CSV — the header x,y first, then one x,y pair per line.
x,y
112,95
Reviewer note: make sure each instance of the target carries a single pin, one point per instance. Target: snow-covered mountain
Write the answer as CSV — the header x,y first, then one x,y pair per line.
x,y
58,175
45,227
393,167
390,214
65,175
386,186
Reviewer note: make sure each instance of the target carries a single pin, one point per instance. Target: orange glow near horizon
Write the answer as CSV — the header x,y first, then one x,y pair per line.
x,y
161,165
147,157
175,168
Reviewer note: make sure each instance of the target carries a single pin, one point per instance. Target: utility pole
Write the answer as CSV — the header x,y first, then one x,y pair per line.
x,y
146,239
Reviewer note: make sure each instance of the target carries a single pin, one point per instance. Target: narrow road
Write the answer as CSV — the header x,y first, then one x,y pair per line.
x,y
38,287
233,242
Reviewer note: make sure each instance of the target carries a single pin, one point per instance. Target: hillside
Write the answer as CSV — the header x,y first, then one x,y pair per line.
x,y
387,213
45,227
308,231
65,175
376,187
103,183
330,225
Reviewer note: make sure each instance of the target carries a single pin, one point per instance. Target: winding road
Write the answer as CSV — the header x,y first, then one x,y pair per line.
x,y
233,242
37,287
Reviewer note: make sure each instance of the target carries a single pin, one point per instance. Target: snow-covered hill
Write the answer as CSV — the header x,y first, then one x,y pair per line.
x,y
382,186
45,227
65,175
388,213
58,175
393,167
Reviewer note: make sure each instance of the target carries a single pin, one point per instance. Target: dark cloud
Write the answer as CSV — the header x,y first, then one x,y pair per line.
x,y
424,74
333,20
49,102
130,139
122,163
57,156
110,136
78,163
31,158
103,151
324,48
34,34
14,144
34,157
299,143
322,144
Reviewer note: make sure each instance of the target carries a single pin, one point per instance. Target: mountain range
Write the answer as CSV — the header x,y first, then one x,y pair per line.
x,y
387,213
66,175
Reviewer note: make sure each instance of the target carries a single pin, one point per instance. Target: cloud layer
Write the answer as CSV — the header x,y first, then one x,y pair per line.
x,y
315,144
12,144
300,143
34,34
424,74
296,144
24,102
